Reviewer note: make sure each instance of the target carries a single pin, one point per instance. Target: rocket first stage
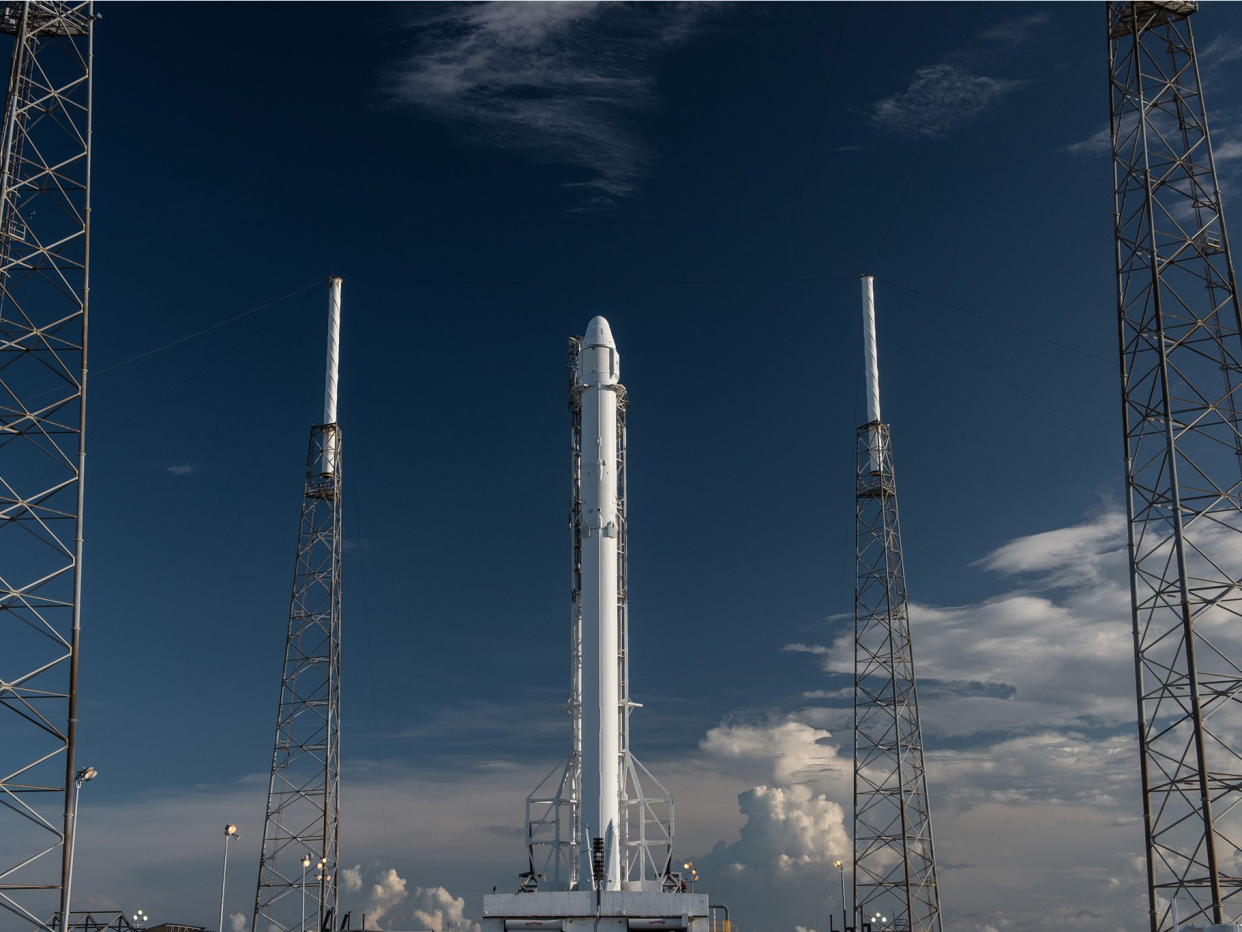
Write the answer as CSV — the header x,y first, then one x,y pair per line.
x,y
599,368
599,836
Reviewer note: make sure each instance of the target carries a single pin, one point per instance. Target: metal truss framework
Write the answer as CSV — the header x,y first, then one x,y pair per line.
x,y
44,257
99,921
894,860
304,793
553,828
1179,327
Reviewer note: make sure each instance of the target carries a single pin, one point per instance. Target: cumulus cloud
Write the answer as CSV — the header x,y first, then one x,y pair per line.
x,y
386,893
238,922
955,89
794,822
1027,705
440,911
788,751
557,82
351,878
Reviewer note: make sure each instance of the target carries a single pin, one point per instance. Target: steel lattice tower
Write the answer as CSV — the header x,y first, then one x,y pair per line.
x,y
894,860
1179,337
304,793
44,256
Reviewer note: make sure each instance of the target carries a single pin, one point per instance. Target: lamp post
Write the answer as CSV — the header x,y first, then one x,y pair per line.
x,y
141,919
85,775
844,916
230,832
323,877
306,859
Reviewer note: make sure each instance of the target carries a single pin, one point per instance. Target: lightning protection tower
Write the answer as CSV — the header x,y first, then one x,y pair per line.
x,y
894,861
1178,319
44,257
298,864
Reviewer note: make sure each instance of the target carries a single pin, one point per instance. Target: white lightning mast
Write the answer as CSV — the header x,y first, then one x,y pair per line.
x,y
872,366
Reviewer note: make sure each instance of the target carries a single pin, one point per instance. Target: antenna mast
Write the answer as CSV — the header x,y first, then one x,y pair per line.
x,y
1179,327
44,258
304,792
894,861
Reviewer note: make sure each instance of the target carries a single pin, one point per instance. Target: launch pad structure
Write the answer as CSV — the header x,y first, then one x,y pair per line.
x,y
1180,338
45,182
599,829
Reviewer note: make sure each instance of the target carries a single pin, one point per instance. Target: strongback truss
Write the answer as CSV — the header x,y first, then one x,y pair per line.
x,y
1180,353
44,250
553,830
304,793
894,861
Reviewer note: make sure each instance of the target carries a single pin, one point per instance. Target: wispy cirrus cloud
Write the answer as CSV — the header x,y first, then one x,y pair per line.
x,y
1098,143
954,90
181,469
1220,51
556,82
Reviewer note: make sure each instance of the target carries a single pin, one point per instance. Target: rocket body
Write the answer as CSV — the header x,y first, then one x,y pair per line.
x,y
599,371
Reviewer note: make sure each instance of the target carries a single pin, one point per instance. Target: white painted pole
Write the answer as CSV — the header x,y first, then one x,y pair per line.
x,y
334,349
599,370
330,382
870,359
871,366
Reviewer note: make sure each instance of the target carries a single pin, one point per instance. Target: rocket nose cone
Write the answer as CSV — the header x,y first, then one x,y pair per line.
x,y
598,333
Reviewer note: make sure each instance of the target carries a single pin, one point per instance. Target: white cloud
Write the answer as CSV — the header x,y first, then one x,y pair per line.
x,y
1227,151
386,893
184,469
238,922
440,911
787,752
940,98
1017,31
1222,49
351,878
1056,651
954,90
1098,143
555,81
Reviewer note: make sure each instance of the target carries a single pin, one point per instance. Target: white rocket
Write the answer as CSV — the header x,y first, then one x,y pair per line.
x,y
599,369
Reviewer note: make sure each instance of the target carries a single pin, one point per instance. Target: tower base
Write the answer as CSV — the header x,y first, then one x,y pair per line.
x,y
588,911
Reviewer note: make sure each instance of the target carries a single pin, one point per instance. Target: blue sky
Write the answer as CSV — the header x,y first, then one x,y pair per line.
x,y
713,179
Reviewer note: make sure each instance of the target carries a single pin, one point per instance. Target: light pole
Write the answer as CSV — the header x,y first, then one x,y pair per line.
x,y
306,859
323,877
141,919
85,775
230,832
844,916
